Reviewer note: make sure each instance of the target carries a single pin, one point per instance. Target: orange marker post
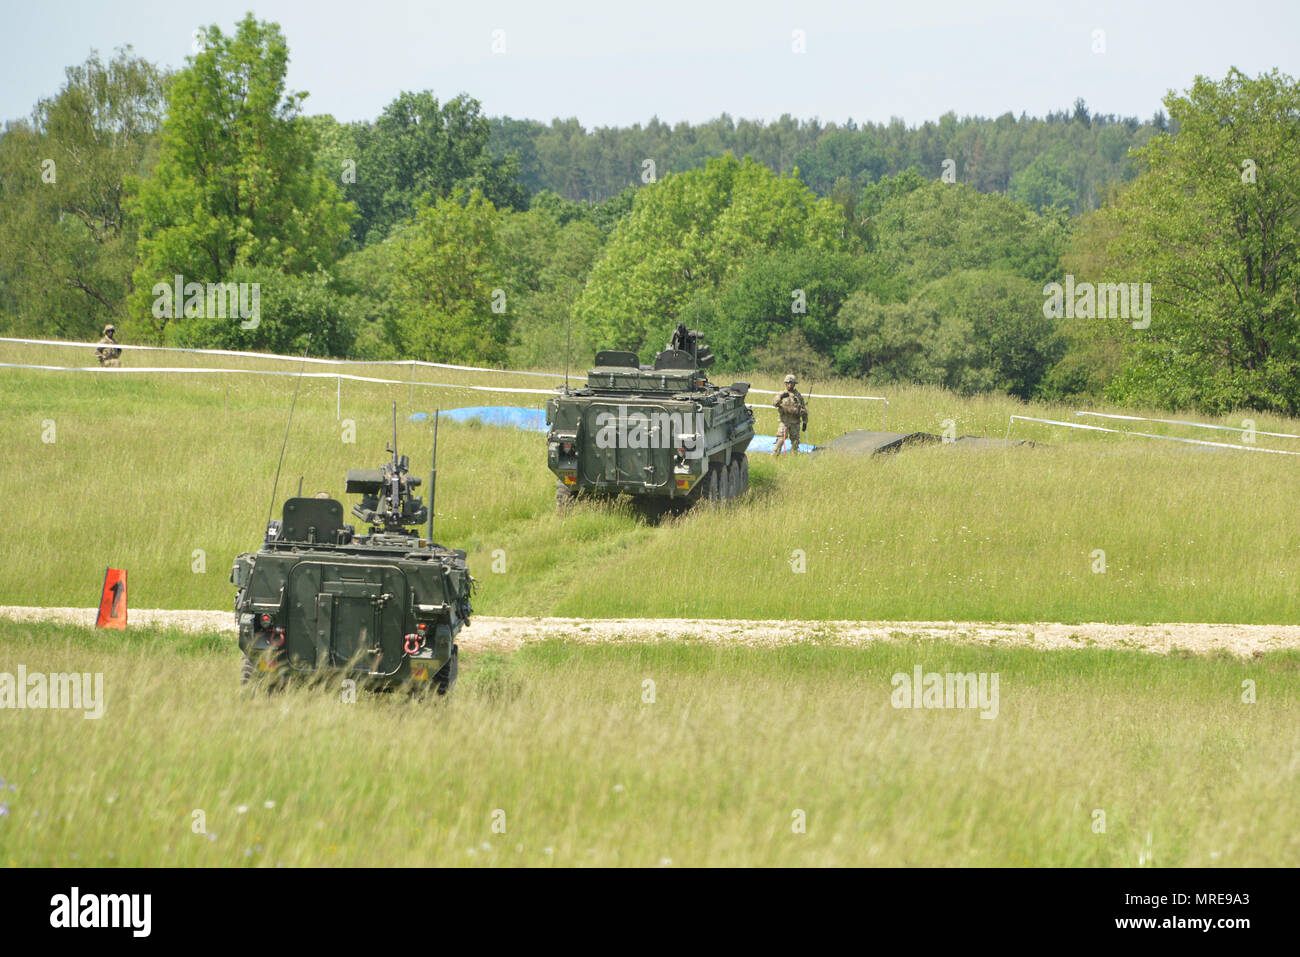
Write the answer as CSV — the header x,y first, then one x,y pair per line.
x,y
112,601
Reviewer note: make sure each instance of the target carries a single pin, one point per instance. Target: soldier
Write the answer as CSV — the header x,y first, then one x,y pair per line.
x,y
108,353
793,410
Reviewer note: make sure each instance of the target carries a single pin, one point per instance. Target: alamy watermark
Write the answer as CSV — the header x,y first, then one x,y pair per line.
x,y
1105,300
655,430
933,689
75,691
212,300
129,911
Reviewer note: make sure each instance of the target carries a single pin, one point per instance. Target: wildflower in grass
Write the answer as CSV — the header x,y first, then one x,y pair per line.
x,y
4,809
242,809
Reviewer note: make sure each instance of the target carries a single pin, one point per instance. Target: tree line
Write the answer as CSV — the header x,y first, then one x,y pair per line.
x,y
940,253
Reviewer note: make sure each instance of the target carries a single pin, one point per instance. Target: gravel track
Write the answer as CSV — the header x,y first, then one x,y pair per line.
x,y
509,634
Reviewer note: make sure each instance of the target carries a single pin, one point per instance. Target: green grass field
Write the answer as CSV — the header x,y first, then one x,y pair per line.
x,y
169,476
558,746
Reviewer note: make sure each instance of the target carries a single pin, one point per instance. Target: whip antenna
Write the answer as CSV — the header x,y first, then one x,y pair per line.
x,y
433,475
285,444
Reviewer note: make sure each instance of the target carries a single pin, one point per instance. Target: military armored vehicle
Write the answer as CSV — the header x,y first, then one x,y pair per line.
x,y
662,433
382,608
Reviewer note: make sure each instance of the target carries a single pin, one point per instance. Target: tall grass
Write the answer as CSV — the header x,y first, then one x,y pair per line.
x,y
558,756
169,476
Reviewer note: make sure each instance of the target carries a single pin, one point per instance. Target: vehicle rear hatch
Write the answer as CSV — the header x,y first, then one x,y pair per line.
x,y
615,462
345,615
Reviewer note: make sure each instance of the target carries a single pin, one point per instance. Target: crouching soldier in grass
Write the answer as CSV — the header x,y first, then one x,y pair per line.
x,y
108,353
793,410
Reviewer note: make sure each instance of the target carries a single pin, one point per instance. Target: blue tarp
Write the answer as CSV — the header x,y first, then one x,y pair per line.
x,y
767,443
534,420
531,420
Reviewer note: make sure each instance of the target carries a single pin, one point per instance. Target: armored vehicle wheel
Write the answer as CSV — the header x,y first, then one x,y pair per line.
x,y
743,459
713,484
734,470
445,679
564,495
246,671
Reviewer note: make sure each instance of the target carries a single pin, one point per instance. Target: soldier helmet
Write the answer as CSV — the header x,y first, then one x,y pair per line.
x,y
109,330
790,380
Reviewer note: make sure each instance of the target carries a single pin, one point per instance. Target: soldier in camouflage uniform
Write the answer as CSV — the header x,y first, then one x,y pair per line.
x,y
793,410
108,352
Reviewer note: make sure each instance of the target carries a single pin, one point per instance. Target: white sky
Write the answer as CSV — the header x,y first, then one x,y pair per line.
x,y
616,64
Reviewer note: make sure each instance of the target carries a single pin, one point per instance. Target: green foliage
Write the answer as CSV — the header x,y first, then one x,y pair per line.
x,y
545,265
419,147
590,165
830,247
1044,183
290,309
852,154
1213,224
773,294
941,228
66,246
971,331
446,278
688,233
236,182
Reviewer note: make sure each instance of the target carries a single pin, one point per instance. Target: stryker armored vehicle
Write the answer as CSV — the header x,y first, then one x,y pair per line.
x,y
382,608
662,433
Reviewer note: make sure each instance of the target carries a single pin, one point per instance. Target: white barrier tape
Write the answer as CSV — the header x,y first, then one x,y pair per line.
x,y
279,358
1148,435
820,395
271,356
308,375
1199,425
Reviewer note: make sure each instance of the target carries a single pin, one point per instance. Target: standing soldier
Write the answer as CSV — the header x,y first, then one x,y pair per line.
x,y
793,410
108,353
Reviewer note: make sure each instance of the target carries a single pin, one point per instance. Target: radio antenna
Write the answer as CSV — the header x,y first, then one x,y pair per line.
x,y
568,337
433,475
285,444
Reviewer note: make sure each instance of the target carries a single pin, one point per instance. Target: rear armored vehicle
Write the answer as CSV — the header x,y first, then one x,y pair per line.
x,y
382,608
661,433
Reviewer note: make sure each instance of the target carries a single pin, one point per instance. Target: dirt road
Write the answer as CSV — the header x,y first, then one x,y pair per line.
x,y
508,634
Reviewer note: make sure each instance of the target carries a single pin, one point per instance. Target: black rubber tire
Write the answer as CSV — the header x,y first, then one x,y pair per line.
x,y
445,679
743,459
564,496
246,671
713,482
737,489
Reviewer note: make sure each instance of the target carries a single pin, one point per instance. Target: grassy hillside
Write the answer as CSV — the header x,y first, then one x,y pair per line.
x,y
145,470
560,746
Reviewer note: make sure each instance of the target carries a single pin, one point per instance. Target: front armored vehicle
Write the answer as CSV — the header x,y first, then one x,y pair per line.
x,y
382,608
662,433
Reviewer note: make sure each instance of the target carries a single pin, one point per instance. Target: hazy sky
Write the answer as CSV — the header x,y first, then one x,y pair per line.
x,y
610,63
